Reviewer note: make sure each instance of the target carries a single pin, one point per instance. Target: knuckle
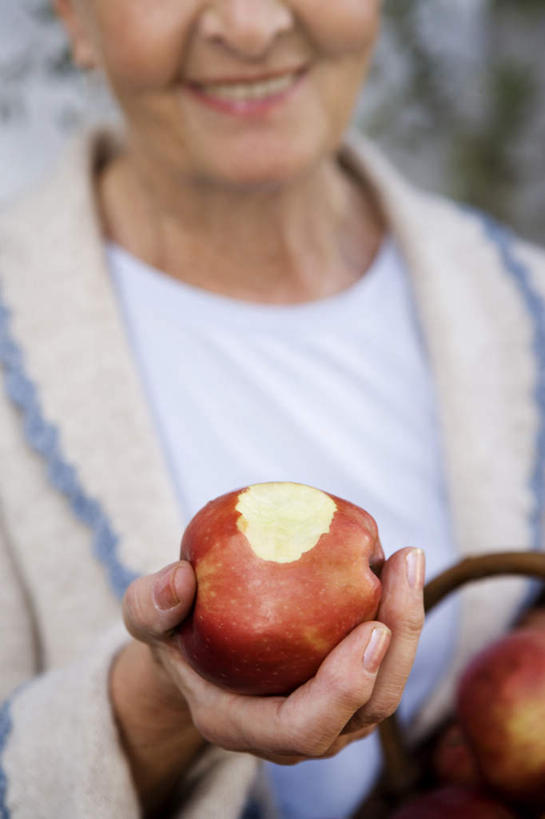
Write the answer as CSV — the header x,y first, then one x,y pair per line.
x,y
387,711
358,729
333,750
382,710
376,716
357,723
414,623
298,746
311,747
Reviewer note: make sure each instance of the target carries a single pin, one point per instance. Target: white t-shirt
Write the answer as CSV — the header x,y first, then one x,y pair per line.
x,y
336,394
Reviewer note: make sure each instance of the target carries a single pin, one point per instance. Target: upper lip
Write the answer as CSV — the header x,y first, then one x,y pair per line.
x,y
241,79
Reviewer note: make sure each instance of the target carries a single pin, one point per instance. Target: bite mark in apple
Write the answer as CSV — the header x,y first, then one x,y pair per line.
x,y
282,521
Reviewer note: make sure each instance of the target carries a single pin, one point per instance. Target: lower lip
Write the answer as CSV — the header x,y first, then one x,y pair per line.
x,y
249,107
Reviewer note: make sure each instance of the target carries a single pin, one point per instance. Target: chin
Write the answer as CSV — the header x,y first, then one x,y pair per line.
x,y
266,162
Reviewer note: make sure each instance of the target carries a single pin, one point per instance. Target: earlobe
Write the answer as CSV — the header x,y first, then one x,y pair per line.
x,y
82,49
83,55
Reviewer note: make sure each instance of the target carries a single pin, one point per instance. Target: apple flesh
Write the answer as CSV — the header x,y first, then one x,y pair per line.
x,y
284,572
453,802
501,708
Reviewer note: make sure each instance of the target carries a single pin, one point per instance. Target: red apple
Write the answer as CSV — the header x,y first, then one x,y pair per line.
x,y
501,708
284,572
454,802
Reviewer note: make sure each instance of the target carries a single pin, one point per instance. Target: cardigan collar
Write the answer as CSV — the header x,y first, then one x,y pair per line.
x,y
480,332
65,317
474,322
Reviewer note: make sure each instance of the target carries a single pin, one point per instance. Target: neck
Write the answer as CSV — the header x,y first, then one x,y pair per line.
x,y
297,242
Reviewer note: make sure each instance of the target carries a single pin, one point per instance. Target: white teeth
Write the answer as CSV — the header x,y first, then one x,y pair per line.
x,y
250,90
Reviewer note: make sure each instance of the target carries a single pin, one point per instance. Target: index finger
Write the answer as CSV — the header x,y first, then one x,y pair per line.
x,y
402,610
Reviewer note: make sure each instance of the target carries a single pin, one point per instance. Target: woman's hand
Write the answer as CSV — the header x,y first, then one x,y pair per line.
x,y
357,686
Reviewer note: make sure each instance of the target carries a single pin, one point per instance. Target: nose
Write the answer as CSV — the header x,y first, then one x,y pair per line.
x,y
247,27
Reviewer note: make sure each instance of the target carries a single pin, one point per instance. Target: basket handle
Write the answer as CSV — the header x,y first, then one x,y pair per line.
x,y
401,770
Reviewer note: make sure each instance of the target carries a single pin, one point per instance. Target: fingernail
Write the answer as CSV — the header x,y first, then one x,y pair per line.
x,y
376,649
416,568
164,590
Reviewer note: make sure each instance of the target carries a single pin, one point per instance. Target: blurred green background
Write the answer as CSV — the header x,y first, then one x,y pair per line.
x,y
456,98
467,115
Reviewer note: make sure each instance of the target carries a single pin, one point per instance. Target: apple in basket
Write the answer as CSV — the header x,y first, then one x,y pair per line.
x,y
501,709
284,571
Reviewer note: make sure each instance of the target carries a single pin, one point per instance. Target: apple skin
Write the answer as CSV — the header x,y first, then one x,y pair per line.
x,y
262,627
501,708
453,802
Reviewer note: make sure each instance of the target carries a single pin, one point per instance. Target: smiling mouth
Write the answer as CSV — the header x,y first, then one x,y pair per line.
x,y
248,91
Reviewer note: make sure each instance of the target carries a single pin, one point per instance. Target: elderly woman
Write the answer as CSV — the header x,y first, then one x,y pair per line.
x,y
235,290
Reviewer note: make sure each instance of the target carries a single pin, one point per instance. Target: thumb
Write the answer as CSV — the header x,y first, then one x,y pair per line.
x,y
156,603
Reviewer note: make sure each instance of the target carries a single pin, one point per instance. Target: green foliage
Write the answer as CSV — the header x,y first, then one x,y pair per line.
x,y
482,154
483,168
523,6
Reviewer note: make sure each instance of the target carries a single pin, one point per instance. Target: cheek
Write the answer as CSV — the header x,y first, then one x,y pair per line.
x,y
142,42
342,26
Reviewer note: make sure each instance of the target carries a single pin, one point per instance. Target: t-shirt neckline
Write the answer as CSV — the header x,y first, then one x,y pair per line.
x,y
172,298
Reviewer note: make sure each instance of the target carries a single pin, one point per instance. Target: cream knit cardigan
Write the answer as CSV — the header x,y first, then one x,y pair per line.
x,y
86,502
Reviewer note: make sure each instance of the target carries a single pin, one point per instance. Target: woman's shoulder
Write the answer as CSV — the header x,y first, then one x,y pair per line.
x,y
423,218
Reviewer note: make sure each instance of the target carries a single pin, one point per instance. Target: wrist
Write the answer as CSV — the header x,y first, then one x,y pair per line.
x,y
154,722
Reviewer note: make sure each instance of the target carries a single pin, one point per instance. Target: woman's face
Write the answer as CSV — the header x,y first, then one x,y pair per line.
x,y
235,91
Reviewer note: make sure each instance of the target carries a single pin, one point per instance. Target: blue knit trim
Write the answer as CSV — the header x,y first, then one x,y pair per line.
x,y
6,725
5,730
505,240
43,438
